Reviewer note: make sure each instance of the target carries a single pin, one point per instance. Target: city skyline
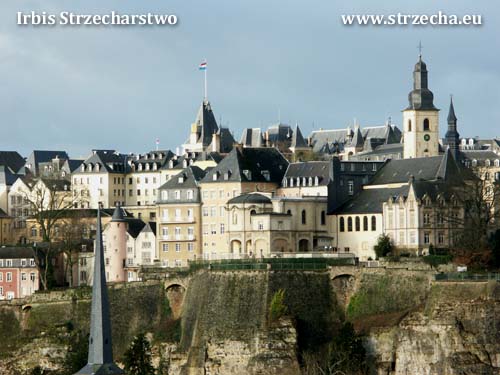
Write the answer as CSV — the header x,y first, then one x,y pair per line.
x,y
122,88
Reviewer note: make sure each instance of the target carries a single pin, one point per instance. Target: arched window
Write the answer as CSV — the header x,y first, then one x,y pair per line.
x,y
304,217
426,125
341,225
358,224
253,212
316,181
323,218
284,182
365,223
288,212
487,162
304,181
374,223
349,224
291,182
310,181
409,125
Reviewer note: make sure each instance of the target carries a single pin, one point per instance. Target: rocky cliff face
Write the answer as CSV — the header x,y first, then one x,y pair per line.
x,y
456,333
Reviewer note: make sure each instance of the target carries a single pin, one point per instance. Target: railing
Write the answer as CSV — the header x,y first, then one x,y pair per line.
x,y
288,264
465,276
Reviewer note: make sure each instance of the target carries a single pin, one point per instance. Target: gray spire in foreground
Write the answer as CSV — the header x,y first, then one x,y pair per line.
x,y
100,359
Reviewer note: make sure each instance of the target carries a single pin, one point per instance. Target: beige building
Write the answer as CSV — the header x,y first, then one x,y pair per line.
x,y
179,236
262,226
243,170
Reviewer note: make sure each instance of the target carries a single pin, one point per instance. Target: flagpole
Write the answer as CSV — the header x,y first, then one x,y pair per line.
x,y
206,95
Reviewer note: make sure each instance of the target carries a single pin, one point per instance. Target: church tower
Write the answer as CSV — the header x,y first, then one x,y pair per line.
x,y
452,138
421,118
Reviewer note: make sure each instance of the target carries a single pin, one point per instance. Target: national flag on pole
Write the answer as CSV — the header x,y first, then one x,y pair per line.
x,y
203,65
157,141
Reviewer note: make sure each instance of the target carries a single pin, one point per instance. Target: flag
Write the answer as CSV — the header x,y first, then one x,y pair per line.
x,y
157,141
203,65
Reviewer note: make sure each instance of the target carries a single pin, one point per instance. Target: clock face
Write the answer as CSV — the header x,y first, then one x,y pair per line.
x,y
427,137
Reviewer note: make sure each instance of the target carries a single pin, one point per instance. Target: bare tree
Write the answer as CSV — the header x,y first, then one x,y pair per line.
x,y
480,201
50,201
73,236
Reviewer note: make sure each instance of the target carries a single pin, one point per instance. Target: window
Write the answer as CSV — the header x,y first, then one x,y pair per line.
x,y
177,247
427,238
349,224
164,247
1,290
213,229
177,194
374,223
261,225
8,263
427,218
1,276
205,211
365,223
440,238
426,124
358,224
107,261
23,276
190,246
341,225
9,276
177,214
146,245
33,232
32,276
323,218
213,211
304,218
129,249
409,125
130,261
23,262
350,187
222,229
190,194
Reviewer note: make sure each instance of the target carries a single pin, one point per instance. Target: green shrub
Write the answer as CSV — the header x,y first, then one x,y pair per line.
x,y
277,308
137,358
384,246
435,260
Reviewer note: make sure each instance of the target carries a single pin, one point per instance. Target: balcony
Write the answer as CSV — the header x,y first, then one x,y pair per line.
x,y
179,238
177,219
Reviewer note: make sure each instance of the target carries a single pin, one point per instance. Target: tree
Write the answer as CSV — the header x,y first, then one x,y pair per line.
x,y
50,201
384,246
73,233
76,356
495,248
137,358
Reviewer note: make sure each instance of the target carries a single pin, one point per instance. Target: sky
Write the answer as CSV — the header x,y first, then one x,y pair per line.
x,y
81,88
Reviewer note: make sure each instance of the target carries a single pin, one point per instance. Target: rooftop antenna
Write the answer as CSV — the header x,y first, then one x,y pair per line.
x,y
157,143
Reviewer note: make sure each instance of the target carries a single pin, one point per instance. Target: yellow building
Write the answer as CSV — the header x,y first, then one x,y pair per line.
x,y
179,218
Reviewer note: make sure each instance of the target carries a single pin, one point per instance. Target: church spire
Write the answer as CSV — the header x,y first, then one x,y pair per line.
x,y
452,138
100,358
421,97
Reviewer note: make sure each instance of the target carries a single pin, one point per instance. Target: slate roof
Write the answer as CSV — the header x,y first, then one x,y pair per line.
x,y
73,164
252,137
7,177
320,169
3,214
191,176
279,133
370,200
43,156
205,119
226,140
250,198
16,253
12,160
297,139
479,155
135,226
160,158
108,158
248,164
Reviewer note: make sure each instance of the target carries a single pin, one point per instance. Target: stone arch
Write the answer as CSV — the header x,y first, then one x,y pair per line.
x,y
175,293
261,247
344,287
280,245
304,245
236,246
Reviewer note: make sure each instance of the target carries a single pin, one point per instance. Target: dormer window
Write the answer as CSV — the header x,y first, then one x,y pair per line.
x,y
291,182
247,173
310,182
170,163
215,176
184,163
297,180
82,168
97,167
190,194
147,166
284,182
304,183
155,166
497,163
266,175
139,167
164,195
474,163
89,167
316,181
227,175
487,162
471,142
181,179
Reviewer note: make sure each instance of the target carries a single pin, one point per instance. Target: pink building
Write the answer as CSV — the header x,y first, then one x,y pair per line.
x,y
18,273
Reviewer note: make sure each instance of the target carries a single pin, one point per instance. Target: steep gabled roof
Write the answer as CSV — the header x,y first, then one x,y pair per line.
x,y
297,139
190,178
370,200
205,119
320,169
252,137
11,159
259,164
